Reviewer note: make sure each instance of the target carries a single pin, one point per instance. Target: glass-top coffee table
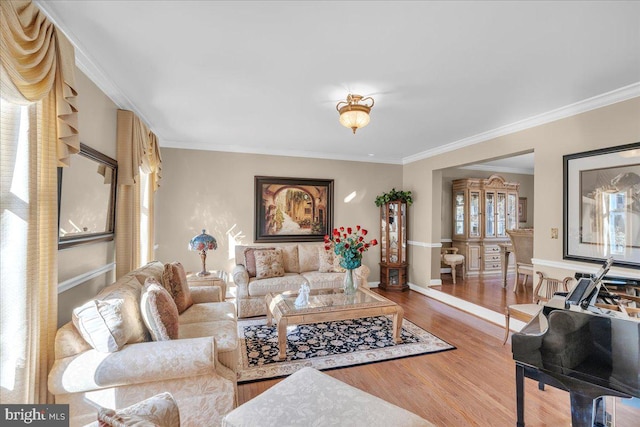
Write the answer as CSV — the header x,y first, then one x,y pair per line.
x,y
327,305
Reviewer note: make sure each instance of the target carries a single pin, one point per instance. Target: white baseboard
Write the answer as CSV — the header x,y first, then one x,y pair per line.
x,y
469,307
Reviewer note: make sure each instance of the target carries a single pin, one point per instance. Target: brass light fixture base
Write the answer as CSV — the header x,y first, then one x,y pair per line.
x,y
354,113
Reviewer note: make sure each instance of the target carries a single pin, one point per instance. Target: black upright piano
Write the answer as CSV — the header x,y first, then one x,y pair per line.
x,y
580,348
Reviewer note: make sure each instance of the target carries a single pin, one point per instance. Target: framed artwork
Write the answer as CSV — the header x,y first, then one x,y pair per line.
x,y
293,209
602,205
522,209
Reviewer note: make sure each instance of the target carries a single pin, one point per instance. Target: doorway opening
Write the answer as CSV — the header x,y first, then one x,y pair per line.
x,y
484,283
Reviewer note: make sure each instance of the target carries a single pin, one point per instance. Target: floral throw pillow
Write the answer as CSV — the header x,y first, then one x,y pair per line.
x,y
337,268
160,410
174,280
325,260
290,257
308,257
159,311
250,259
269,263
328,262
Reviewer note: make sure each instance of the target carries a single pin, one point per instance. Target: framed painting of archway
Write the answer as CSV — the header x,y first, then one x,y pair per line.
x,y
293,209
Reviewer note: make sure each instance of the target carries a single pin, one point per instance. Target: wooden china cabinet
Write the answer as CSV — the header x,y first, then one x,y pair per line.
x,y
483,211
393,246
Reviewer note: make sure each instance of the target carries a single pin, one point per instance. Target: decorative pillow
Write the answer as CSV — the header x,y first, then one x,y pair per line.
x,y
128,289
151,269
250,259
308,257
174,280
101,324
328,261
290,257
337,268
160,410
159,311
325,260
269,264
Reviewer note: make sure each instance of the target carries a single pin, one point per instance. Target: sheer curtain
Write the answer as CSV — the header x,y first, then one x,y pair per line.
x,y
38,133
139,174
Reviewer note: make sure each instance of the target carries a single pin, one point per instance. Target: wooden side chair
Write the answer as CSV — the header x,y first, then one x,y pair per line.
x,y
630,311
450,257
522,242
628,304
543,292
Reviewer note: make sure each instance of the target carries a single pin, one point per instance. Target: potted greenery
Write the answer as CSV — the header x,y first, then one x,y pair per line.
x,y
394,195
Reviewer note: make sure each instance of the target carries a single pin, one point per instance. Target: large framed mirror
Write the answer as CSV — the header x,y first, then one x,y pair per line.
x,y
87,199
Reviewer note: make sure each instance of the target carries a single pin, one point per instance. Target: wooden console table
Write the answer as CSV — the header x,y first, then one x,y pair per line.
x,y
215,278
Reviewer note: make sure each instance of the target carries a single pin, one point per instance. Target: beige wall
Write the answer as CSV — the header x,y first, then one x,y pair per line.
x,y
97,124
609,126
215,191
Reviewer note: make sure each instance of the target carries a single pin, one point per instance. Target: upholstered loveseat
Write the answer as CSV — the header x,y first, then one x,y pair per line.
x,y
299,263
96,369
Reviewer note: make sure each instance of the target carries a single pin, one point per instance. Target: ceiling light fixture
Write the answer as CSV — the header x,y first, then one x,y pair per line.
x,y
354,112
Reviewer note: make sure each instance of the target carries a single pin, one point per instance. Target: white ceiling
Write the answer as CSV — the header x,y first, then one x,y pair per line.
x,y
264,76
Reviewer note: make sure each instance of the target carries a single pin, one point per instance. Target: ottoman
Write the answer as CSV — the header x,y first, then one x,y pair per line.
x,y
309,397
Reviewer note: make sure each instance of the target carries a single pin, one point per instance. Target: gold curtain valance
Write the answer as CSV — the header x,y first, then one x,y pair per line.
x,y
37,59
152,161
137,149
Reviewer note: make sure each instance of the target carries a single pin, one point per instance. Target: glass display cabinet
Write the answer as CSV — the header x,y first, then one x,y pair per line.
x,y
393,246
483,211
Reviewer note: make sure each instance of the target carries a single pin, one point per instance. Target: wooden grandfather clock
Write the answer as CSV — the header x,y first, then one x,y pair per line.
x,y
393,246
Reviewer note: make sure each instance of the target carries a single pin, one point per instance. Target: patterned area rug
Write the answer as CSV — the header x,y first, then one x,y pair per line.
x,y
327,345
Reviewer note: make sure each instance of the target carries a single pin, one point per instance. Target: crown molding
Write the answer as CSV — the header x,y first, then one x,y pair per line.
x,y
598,101
272,152
503,169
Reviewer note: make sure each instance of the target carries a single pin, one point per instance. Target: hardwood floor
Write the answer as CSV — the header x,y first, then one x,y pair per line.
x,y
488,292
473,385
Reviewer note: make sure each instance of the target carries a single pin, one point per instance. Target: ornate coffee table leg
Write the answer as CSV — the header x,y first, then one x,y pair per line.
x,y
282,339
397,325
267,301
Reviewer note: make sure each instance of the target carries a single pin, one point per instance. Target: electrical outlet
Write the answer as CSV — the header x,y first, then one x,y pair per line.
x,y
554,233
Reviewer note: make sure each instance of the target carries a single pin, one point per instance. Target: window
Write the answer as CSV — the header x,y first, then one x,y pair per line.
x,y
14,223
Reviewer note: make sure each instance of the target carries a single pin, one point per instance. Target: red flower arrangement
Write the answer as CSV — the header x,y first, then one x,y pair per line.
x,y
349,245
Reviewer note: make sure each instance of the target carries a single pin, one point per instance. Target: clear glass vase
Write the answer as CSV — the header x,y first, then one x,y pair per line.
x,y
350,285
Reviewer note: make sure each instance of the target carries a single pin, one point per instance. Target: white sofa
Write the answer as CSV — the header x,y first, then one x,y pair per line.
x,y
303,263
198,368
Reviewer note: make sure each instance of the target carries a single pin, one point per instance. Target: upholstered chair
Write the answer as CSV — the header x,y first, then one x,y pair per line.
x,y
450,257
522,241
